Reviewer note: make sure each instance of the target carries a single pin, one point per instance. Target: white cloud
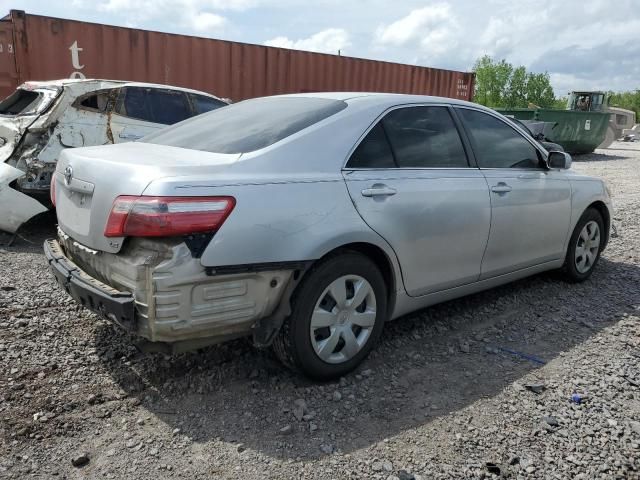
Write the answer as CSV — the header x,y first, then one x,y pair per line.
x,y
434,30
205,22
330,40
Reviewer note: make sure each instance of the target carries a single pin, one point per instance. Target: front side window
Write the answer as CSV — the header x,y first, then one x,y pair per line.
x,y
165,107
412,137
496,144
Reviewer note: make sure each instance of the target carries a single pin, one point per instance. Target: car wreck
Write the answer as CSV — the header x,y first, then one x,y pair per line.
x,y
40,119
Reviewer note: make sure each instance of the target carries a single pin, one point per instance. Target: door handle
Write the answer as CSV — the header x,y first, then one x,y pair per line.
x,y
501,187
379,190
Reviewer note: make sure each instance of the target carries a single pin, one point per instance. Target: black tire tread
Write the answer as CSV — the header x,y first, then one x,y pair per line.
x,y
282,346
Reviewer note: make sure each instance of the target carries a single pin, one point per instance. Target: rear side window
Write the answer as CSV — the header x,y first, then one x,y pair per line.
x,y
412,137
97,101
248,126
496,144
202,104
165,107
374,151
425,137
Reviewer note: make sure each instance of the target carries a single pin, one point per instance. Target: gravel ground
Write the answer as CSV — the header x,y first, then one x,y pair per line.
x,y
475,388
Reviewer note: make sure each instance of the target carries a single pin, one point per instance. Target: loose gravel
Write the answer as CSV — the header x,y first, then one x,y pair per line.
x,y
537,379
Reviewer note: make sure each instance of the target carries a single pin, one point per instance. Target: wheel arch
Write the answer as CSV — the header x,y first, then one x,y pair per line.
x,y
381,259
603,210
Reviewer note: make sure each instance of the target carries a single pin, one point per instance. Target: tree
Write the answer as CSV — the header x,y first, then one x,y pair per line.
x,y
499,84
628,100
516,94
539,90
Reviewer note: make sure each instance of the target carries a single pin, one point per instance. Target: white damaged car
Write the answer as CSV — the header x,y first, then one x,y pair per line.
x,y
40,119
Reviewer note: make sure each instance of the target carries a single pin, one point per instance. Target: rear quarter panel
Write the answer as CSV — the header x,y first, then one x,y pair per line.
x,y
284,222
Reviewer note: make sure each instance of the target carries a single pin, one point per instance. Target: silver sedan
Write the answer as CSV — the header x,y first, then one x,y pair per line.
x,y
308,221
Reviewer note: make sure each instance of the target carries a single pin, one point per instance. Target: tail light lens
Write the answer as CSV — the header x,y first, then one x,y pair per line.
x,y
52,190
145,216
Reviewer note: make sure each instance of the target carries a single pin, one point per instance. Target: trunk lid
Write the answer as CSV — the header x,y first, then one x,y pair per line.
x,y
88,180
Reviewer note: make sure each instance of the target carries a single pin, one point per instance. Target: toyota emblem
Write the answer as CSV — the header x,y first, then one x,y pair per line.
x,y
68,175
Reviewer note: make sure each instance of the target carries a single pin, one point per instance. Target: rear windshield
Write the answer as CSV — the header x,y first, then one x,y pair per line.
x,y
24,102
249,125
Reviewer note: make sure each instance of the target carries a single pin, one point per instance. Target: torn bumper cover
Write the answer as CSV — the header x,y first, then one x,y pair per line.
x,y
92,294
15,207
159,291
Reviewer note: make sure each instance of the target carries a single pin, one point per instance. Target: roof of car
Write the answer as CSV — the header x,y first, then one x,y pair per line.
x,y
383,98
106,83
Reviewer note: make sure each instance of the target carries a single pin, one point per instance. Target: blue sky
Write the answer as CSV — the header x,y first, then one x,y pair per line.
x,y
583,44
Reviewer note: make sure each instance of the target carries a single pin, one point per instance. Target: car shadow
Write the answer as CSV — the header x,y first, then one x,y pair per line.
x,y
427,364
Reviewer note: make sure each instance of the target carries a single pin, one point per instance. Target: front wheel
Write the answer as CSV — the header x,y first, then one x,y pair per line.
x,y
338,313
585,246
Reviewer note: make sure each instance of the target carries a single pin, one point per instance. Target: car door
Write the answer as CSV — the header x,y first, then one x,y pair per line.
x,y
140,111
411,181
530,204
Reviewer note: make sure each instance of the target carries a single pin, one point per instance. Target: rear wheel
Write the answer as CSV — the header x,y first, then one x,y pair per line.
x,y
585,246
338,313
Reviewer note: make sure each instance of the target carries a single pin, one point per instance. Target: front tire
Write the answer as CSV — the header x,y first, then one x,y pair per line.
x,y
585,246
338,313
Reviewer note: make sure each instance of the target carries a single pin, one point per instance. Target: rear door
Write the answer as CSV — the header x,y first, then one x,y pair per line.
x,y
411,181
140,111
531,205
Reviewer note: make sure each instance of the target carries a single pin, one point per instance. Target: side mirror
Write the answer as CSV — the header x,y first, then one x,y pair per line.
x,y
561,160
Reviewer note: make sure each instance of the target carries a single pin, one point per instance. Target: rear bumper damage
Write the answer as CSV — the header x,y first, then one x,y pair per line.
x,y
157,290
89,292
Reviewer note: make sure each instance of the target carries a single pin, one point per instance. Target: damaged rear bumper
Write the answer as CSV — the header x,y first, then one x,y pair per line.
x,y
160,292
92,294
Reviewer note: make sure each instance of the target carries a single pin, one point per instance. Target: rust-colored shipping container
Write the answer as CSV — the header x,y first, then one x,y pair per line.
x,y
34,47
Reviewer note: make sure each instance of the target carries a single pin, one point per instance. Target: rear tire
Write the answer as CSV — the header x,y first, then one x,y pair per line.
x,y
585,246
337,315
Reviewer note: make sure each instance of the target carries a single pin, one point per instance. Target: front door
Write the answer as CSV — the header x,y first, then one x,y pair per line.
x,y
411,182
530,204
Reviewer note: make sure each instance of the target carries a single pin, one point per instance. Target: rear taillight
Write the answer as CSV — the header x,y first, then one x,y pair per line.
x,y
52,190
144,216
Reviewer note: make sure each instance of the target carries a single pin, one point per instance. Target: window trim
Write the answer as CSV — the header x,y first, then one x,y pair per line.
x,y
471,164
515,128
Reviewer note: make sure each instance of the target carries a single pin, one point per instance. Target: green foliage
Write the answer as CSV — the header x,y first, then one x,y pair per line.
x,y
499,84
628,100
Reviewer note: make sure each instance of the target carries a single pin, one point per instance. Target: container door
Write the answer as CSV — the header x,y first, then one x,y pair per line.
x,y
530,205
140,111
410,181
8,71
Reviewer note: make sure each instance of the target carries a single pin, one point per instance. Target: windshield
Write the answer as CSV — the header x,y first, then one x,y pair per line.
x,y
27,102
247,126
